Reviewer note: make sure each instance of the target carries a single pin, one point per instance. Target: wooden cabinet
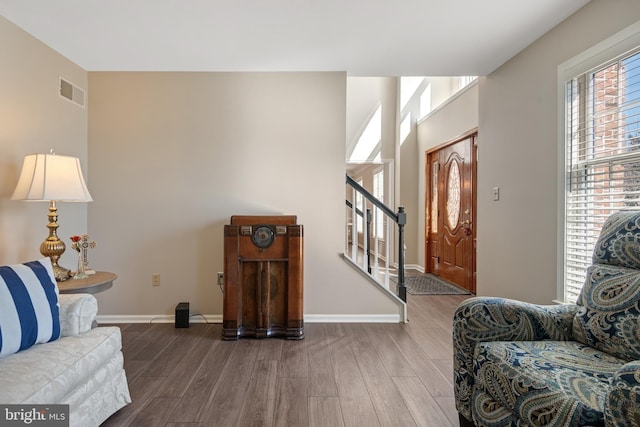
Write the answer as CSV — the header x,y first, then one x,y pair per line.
x,y
263,278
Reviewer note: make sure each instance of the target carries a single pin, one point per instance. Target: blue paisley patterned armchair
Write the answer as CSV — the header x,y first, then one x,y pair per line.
x,y
520,364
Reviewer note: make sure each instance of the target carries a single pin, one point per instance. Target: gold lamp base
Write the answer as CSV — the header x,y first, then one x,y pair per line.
x,y
53,247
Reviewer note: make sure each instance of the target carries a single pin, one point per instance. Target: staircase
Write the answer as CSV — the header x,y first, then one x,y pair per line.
x,y
371,226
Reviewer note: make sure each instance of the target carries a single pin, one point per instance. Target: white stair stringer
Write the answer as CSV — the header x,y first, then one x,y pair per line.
x,y
402,306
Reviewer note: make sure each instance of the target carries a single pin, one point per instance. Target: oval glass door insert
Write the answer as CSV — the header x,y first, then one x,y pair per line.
x,y
453,195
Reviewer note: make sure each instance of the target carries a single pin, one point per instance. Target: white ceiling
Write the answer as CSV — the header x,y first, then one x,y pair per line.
x,y
362,37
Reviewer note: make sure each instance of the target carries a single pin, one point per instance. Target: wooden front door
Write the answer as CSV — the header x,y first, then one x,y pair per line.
x,y
451,212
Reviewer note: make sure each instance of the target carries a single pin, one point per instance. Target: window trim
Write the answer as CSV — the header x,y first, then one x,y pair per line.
x,y
603,52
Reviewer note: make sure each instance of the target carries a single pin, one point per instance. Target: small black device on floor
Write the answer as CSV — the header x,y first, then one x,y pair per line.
x,y
182,315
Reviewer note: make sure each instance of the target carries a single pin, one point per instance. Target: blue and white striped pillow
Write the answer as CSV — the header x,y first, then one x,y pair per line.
x,y
29,310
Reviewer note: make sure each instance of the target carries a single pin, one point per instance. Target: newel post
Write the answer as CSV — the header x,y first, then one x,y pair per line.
x,y
402,220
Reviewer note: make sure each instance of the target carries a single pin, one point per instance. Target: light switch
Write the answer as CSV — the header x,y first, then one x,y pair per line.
x,y
496,194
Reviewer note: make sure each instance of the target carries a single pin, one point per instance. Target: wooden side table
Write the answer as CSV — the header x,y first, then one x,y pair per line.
x,y
101,281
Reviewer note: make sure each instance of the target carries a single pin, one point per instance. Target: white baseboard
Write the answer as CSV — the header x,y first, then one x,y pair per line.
x,y
217,318
132,318
414,267
352,318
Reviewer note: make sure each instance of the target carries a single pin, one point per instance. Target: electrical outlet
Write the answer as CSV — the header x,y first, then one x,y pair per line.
x,y
221,279
155,279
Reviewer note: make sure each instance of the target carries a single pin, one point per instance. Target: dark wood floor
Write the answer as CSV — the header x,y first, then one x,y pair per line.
x,y
339,375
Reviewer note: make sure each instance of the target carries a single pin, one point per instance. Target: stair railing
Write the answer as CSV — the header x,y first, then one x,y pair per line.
x,y
400,218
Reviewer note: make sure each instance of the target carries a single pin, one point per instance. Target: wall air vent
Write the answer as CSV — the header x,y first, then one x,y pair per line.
x,y
71,92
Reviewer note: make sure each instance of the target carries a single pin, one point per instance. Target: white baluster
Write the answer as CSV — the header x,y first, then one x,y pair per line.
x,y
346,230
354,228
386,249
376,266
365,235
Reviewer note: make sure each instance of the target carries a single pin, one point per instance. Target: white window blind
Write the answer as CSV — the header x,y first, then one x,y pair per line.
x,y
603,158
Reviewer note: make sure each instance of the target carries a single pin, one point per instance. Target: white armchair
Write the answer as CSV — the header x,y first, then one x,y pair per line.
x,y
83,368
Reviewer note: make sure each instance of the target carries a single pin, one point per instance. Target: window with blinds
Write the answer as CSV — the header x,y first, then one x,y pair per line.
x,y
603,158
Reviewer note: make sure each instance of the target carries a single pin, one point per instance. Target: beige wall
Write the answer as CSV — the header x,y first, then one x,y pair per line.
x,y
407,196
518,151
442,89
174,155
364,95
33,119
516,111
450,120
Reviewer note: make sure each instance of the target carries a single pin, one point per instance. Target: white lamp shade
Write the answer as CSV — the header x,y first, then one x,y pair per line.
x,y
46,177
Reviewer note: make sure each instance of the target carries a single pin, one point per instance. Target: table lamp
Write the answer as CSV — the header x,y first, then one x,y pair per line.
x,y
52,178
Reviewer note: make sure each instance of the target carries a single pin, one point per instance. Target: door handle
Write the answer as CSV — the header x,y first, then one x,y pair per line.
x,y
466,224
466,221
